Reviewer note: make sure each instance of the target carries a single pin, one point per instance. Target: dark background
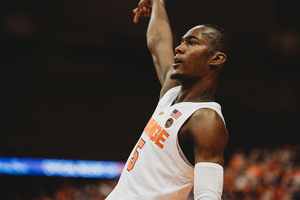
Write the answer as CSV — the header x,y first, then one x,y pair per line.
x,y
78,80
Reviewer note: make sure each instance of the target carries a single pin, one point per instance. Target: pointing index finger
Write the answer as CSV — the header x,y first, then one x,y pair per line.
x,y
137,15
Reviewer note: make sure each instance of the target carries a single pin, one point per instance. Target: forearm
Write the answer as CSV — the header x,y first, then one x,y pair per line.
x,y
160,39
159,26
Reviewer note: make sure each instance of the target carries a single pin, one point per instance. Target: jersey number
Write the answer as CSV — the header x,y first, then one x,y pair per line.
x,y
135,155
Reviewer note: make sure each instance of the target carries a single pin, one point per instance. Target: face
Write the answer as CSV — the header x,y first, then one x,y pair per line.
x,y
193,56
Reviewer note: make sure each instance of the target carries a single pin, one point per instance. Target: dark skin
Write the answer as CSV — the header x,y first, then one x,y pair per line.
x,y
195,67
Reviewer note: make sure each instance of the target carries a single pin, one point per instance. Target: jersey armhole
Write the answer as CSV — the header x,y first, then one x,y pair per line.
x,y
182,154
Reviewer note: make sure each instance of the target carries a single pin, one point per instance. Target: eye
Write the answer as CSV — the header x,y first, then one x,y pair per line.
x,y
191,42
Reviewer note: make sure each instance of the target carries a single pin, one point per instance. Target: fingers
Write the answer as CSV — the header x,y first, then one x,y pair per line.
x,y
147,12
141,12
136,17
135,10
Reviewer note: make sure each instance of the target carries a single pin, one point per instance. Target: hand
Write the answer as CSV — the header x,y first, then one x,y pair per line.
x,y
143,10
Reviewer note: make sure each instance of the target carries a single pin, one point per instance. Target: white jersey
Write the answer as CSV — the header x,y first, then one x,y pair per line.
x,y
156,168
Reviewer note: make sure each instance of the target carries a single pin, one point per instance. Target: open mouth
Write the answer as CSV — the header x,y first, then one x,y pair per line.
x,y
177,61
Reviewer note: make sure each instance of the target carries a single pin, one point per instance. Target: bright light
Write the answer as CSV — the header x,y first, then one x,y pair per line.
x,y
61,167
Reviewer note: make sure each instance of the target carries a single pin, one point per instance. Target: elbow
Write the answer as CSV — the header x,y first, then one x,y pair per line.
x,y
152,41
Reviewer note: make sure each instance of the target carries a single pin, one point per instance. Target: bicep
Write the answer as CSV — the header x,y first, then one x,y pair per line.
x,y
163,60
162,56
209,136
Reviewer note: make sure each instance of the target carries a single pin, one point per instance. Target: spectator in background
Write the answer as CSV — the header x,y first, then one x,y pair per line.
x,y
263,175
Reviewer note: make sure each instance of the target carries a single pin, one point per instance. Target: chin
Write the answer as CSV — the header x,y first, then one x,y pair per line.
x,y
175,76
178,77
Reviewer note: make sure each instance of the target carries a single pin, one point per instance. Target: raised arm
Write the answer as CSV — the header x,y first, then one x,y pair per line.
x,y
159,40
209,135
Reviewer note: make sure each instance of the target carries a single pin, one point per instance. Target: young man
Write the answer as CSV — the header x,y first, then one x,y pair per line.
x,y
183,143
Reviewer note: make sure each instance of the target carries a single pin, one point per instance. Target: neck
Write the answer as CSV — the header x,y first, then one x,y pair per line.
x,y
203,91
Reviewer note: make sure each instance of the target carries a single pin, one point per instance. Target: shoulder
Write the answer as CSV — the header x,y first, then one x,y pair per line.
x,y
206,118
169,91
209,134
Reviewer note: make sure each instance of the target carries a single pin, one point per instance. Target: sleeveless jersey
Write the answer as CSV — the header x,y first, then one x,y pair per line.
x,y
155,169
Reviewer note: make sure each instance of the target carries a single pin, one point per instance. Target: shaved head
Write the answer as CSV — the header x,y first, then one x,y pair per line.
x,y
220,40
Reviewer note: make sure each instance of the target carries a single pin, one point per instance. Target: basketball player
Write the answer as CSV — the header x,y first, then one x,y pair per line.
x,y
183,143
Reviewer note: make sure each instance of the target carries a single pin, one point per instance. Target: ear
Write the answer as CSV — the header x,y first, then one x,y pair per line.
x,y
218,60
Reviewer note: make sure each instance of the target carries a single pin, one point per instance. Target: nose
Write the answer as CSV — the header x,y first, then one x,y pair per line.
x,y
179,49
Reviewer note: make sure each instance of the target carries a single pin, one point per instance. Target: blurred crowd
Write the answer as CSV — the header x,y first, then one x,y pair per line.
x,y
98,190
261,174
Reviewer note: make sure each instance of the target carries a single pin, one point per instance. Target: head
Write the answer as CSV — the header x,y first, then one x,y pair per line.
x,y
221,41
204,50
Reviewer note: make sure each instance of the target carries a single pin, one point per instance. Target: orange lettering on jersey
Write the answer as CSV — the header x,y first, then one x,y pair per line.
x,y
149,126
161,138
153,129
156,133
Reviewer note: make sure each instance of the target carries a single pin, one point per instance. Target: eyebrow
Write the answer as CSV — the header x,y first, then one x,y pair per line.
x,y
189,37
